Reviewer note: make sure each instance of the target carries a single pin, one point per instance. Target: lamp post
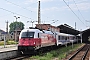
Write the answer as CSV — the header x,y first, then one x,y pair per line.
x,y
16,28
16,18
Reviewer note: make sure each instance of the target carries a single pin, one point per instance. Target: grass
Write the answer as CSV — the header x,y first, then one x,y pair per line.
x,y
9,42
1,43
58,54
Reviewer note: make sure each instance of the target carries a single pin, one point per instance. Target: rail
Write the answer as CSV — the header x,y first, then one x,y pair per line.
x,y
78,51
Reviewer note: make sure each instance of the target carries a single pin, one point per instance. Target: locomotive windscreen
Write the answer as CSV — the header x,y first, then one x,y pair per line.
x,y
27,35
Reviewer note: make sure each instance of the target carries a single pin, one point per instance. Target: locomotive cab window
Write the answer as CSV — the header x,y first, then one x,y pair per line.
x,y
27,35
38,35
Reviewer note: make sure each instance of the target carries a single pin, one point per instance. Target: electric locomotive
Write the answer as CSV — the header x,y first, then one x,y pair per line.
x,y
34,39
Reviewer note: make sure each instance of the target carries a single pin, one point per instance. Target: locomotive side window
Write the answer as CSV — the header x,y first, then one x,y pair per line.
x,y
27,35
38,35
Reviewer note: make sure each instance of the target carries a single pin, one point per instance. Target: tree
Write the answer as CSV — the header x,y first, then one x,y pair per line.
x,y
16,25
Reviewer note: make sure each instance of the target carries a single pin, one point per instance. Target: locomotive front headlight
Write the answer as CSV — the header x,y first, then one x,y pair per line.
x,y
34,42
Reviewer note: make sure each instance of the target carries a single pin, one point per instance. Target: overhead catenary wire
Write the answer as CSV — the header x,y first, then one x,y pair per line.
x,y
18,5
79,10
25,8
73,12
16,13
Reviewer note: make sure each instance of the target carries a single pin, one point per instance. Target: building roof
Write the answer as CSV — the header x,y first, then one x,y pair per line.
x,y
68,29
3,32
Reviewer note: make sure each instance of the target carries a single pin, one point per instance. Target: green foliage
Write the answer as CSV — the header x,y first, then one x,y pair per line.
x,y
44,58
8,42
16,25
1,42
49,55
57,54
11,42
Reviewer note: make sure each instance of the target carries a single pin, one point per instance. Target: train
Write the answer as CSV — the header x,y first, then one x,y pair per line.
x,y
34,39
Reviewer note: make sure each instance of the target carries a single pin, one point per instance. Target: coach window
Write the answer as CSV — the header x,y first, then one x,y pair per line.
x,y
65,38
68,37
73,37
60,37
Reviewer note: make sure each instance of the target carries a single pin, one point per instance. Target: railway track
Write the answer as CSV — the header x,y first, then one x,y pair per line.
x,y
81,54
20,57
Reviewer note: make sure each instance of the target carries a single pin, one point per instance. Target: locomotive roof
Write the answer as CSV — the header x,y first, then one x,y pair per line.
x,y
33,30
37,30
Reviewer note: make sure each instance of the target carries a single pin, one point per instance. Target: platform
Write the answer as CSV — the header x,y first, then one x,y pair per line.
x,y
8,48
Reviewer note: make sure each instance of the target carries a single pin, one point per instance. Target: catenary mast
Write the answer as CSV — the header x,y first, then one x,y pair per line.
x,y
39,20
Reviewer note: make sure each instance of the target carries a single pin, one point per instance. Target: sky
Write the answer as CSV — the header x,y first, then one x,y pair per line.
x,y
54,12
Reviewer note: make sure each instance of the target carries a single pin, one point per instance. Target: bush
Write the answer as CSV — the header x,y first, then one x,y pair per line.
x,y
8,42
1,42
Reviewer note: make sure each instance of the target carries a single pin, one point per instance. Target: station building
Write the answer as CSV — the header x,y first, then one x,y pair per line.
x,y
48,27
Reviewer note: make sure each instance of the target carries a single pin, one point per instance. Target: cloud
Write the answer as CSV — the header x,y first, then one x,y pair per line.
x,y
84,6
46,0
30,1
77,1
51,9
32,9
34,1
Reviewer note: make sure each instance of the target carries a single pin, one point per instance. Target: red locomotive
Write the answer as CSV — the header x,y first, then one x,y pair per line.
x,y
33,39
